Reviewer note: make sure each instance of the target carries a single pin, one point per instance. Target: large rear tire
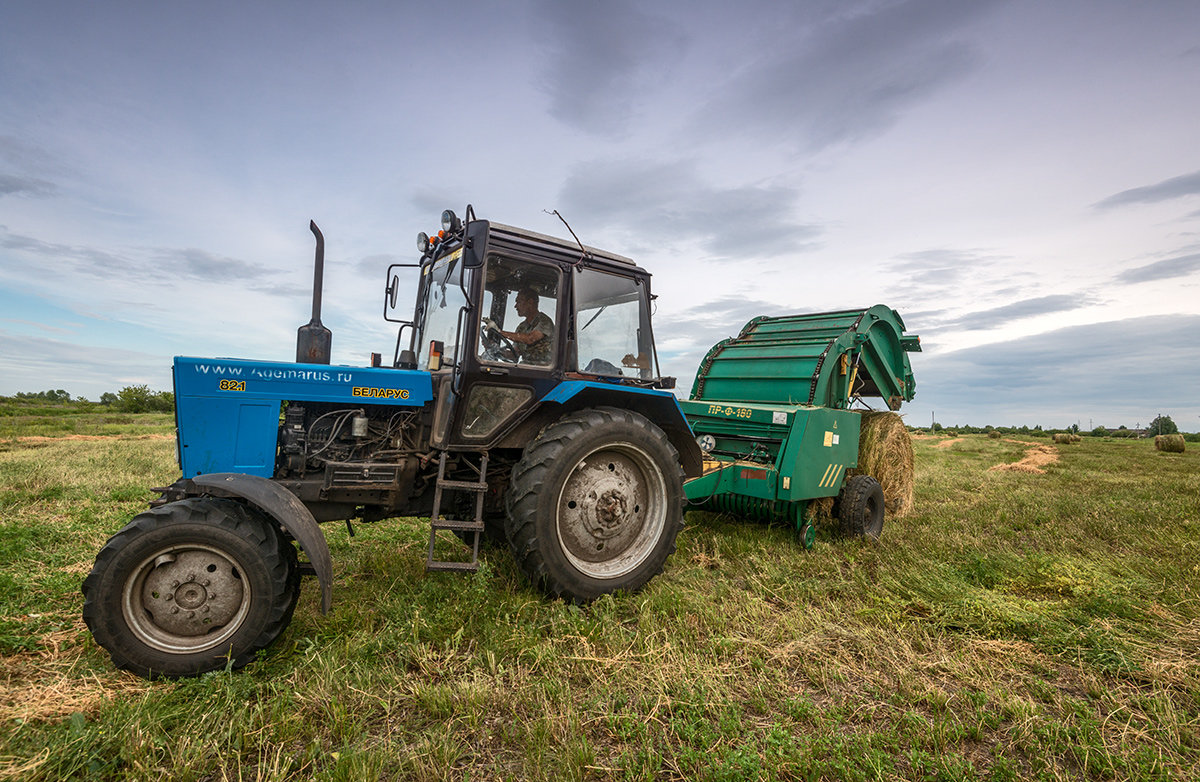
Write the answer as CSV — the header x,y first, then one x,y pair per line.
x,y
595,504
189,587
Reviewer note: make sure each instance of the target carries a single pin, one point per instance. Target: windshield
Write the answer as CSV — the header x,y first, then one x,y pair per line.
x,y
444,300
613,326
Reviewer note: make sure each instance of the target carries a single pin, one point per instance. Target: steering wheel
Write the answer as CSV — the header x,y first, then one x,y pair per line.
x,y
499,347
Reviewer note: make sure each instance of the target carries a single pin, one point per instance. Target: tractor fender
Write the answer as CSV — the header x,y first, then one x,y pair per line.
x,y
281,505
661,407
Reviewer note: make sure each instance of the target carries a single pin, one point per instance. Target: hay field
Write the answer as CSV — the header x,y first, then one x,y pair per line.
x,y
1015,625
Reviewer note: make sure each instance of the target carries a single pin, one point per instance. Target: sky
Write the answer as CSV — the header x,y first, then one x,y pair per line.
x,y
1019,180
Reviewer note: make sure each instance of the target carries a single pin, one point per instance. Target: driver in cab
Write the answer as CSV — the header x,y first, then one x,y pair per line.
x,y
533,339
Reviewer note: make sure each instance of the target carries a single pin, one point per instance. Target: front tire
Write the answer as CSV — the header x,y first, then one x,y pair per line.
x,y
190,587
595,504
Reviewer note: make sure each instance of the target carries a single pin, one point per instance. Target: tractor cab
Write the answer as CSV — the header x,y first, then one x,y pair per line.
x,y
504,316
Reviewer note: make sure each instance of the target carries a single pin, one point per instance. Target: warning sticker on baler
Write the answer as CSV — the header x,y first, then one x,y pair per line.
x,y
832,473
831,439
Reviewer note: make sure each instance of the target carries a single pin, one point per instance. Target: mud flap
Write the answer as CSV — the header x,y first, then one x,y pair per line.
x,y
281,505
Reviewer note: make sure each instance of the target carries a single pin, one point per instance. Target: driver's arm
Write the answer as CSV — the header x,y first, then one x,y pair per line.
x,y
527,338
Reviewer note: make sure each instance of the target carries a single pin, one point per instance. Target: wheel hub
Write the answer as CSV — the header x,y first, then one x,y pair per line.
x,y
609,513
190,596
187,594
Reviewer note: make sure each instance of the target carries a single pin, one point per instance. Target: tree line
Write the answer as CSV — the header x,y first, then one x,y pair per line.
x,y
1162,424
130,399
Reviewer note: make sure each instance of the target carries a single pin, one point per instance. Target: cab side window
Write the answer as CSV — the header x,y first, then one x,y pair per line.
x,y
612,326
520,303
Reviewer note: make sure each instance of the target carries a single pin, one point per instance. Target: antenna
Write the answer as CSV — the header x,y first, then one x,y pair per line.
x,y
582,249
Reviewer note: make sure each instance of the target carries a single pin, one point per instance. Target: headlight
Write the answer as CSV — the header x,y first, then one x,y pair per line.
x,y
450,222
423,242
706,442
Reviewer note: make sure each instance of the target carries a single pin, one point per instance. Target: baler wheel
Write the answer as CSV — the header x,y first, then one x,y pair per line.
x,y
860,507
189,587
595,504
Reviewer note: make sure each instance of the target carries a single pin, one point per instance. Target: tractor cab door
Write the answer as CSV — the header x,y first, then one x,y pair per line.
x,y
516,351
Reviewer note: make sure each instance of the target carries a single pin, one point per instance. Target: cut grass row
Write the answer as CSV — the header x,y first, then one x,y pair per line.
x,y
1015,626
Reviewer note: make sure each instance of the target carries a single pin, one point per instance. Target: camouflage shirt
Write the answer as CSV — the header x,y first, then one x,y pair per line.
x,y
542,351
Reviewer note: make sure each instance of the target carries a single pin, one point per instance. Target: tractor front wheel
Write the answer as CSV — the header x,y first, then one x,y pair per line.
x,y
189,587
595,504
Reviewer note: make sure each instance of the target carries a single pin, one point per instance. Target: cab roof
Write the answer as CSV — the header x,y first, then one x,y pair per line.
x,y
568,245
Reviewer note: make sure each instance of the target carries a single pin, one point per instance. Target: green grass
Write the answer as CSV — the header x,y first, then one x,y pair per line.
x,y
1017,626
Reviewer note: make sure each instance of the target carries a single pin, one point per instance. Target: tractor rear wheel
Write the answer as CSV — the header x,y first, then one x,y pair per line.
x,y
191,586
595,504
860,507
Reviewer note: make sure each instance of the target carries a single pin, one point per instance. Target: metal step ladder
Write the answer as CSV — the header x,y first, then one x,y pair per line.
x,y
437,522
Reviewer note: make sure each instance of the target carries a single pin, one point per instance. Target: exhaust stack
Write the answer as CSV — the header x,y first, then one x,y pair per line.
x,y
314,342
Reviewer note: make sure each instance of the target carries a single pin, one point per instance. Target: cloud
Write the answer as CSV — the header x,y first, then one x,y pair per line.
x,y
28,157
200,265
652,198
851,76
1137,367
602,56
76,259
1019,310
37,363
683,338
940,272
11,184
1162,270
1166,190
146,264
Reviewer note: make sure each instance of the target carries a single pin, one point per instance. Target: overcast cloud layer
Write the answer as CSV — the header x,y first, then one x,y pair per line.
x,y
1020,180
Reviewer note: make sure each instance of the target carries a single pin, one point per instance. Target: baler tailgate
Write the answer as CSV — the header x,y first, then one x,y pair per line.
x,y
823,359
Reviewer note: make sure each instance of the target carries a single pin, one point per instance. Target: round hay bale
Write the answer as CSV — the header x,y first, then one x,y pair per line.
x,y
885,452
1075,438
1169,443
993,435
1062,437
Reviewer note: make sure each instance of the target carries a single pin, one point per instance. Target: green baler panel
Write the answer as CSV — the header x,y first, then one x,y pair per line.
x,y
823,445
773,452
822,359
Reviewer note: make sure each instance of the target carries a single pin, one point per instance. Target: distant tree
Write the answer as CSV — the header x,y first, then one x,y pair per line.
x,y
140,399
108,398
1073,428
1163,425
936,427
1100,431
45,396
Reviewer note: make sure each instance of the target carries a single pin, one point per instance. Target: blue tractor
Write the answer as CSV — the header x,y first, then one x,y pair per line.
x,y
523,404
